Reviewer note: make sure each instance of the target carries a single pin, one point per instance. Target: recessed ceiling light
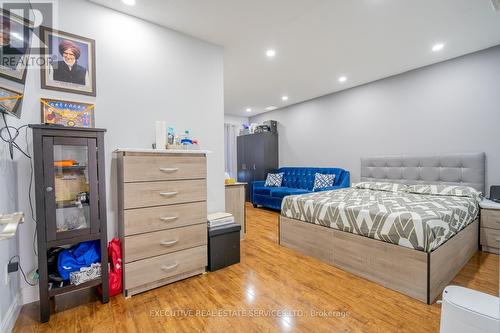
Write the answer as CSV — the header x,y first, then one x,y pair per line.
x,y
284,98
129,2
249,110
270,53
437,47
270,108
342,79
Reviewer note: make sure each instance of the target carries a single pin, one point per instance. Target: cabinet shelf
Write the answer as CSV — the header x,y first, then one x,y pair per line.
x,y
67,287
68,204
71,168
73,240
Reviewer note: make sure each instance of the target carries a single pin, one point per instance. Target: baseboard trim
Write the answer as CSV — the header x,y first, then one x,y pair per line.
x,y
29,294
7,325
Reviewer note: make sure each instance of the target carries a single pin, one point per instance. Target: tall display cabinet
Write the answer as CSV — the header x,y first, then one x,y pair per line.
x,y
70,200
257,155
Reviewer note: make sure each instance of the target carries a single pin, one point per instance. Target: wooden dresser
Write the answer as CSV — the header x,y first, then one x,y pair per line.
x,y
162,216
235,204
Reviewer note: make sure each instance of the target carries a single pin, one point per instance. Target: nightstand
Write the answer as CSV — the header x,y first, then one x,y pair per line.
x,y
490,226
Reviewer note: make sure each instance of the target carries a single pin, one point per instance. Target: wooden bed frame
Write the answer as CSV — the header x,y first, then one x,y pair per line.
x,y
418,274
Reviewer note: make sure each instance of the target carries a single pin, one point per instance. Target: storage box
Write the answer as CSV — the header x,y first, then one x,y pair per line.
x,y
69,183
223,246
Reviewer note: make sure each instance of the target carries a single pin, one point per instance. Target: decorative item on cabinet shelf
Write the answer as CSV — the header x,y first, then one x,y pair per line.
x,y
67,113
255,128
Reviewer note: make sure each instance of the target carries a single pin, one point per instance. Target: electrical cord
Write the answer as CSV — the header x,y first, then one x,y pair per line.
x,y
21,269
30,199
11,140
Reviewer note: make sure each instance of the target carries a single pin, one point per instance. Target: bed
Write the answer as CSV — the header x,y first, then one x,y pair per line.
x,y
414,243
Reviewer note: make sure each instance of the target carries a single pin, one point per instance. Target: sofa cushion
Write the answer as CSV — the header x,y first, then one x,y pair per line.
x,y
274,179
281,192
262,190
322,180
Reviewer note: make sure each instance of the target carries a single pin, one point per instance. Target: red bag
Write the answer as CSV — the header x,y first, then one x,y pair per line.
x,y
115,270
115,267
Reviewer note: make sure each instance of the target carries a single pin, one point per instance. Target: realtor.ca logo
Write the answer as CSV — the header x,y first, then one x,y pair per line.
x,y
20,24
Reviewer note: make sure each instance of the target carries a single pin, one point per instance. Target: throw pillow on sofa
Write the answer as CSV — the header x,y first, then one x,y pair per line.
x,y
323,180
274,179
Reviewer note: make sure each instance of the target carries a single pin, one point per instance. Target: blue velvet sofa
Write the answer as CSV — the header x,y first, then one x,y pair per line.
x,y
295,181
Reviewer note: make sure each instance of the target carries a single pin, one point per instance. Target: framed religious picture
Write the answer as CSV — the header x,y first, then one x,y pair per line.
x,y
10,101
69,64
67,113
15,40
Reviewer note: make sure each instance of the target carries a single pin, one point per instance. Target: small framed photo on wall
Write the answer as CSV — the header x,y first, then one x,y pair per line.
x,y
69,62
10,101
15,40
67,113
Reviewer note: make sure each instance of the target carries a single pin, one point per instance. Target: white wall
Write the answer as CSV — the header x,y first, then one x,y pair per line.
x,y
445,108
144,73
235,120
9,290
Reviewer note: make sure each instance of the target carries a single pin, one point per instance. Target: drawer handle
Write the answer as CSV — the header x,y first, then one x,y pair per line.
x,y
169,169
168,194
169,268
169,243
168,218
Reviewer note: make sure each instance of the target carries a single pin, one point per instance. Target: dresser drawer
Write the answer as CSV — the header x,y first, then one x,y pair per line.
x,y
141,220
490,218
490,237
161,242
138,195
153,269
158,167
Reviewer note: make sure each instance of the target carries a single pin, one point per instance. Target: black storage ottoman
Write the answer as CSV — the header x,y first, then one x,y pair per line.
x,y
223,246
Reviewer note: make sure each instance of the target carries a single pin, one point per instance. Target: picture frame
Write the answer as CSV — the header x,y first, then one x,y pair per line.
x,y
67,113
10,101
15,46
69,64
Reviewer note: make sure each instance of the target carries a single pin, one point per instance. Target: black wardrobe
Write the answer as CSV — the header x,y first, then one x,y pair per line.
x,y
257,155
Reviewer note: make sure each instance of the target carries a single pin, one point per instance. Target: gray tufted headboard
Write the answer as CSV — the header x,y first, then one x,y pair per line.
x,y
452,169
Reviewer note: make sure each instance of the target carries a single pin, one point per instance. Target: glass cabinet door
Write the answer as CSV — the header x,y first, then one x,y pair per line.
x,y
70,169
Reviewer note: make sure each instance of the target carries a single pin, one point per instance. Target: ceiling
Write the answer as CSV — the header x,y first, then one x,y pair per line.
x,y
317,41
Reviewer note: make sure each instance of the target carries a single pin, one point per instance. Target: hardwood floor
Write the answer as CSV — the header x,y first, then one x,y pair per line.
x,y
280,290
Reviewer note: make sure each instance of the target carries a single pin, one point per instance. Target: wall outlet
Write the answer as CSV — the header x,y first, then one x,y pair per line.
x,y
12,267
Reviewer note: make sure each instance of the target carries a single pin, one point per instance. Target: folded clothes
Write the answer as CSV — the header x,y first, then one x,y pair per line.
x,y
85,274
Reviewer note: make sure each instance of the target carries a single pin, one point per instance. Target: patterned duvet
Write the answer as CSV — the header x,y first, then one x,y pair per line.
x,y
418,221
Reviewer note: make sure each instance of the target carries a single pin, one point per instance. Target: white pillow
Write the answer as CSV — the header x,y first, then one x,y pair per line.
x,y
447,190
381,186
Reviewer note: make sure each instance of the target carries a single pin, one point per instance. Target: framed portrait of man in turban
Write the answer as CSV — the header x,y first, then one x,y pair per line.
x,y
69,64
